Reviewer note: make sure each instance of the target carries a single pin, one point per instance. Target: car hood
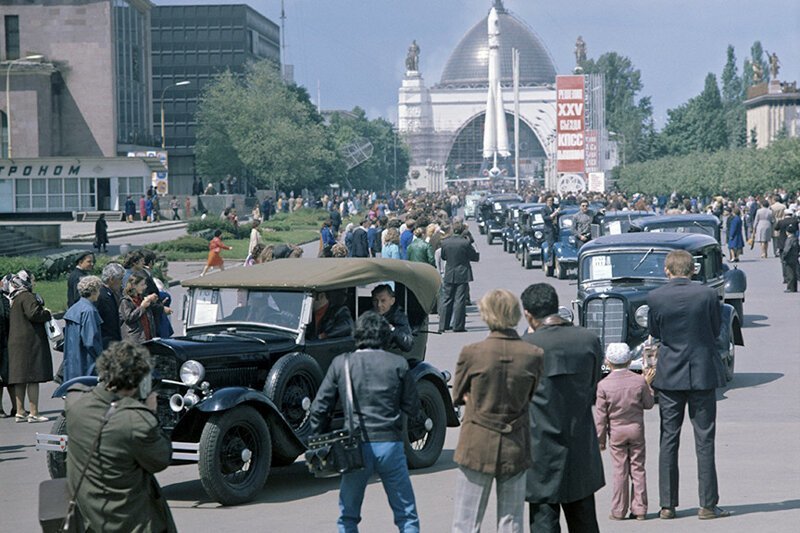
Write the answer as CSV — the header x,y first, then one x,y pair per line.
x,y
631,290
223,346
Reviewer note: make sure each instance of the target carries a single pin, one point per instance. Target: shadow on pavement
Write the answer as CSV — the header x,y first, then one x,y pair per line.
x,y
752,321
286,484
751,508
14,448
748,379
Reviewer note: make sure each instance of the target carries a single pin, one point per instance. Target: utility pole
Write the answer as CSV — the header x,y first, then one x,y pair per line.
x,y
515,66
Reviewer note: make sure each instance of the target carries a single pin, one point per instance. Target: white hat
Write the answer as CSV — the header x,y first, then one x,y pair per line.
x,y
618,353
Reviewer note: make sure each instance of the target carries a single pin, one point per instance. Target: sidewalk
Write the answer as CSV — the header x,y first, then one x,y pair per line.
x,y
84,231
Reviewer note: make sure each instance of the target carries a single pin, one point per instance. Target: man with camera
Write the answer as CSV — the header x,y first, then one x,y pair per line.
x,y
116,445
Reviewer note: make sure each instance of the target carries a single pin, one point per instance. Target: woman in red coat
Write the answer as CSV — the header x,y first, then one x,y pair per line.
x,y
214,256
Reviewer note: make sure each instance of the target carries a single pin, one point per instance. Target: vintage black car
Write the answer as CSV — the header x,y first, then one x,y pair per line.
x,y
615,274
617,222
235,390
735,279
491,214
531,236
514,214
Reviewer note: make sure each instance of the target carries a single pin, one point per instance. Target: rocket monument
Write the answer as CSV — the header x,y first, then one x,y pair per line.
x,y
495,134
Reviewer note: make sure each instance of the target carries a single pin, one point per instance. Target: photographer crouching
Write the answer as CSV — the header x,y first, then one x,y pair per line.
x,y
118,491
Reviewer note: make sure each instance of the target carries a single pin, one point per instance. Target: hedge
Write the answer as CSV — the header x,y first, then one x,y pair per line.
x,y
740,172
50,267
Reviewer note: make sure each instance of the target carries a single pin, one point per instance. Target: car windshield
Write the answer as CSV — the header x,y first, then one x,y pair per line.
x,y
616,226
565,222
695,227
268,308
628,264
536,217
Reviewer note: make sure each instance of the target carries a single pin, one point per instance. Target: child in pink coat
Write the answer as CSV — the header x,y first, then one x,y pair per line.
x,y
622,398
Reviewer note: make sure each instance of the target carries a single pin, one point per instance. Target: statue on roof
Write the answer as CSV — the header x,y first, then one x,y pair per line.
x,y
774,65
412,58
580,51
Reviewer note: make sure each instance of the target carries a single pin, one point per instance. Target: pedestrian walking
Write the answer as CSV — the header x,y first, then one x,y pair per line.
x,y
130,209
156,210
30,361
685,316
566,467
778,209
148,209
101,233
326,239
762,227
735,237
789,250
175,206
458,254
406,237
621,400
119,492
83,338
5,312
215,248
391,246
419,250
360,241
495,380
255,237
383,391
142,208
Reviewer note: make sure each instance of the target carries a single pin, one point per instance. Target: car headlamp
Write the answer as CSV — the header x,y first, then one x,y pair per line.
x,y
641,315
572,240
498,206
192,373
538,234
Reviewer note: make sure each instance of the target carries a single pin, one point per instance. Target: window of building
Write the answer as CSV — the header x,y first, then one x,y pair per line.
x,y
3,135
12,36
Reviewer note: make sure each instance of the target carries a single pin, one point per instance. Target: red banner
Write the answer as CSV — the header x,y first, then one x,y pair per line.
x,y
570,108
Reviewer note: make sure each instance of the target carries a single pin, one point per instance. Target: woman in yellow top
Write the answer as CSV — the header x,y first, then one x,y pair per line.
x,y
214,256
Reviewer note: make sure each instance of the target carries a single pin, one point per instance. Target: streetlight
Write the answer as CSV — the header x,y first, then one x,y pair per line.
x,y
33,57
615,134
163,137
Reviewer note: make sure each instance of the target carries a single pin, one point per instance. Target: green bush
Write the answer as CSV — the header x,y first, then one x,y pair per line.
x,y
187,243
51,267
198,225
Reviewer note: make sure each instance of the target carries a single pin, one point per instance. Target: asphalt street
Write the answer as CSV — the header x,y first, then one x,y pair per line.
x,y
758,432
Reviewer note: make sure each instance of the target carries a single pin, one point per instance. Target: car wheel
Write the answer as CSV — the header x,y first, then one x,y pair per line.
x,y
738,306
481,230
57,461
528,258
489,237
548,269
292,379
235,455
425,451
505,245
561,272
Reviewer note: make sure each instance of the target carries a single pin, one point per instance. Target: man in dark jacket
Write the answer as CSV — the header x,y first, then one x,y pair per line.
x,y
108,302
336,220
331,316
360,246
83,267
383,390
566,466
458,253
383,302
119,492
686,318
788,246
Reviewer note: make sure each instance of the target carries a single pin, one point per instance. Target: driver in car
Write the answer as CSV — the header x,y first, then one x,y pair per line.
x,y
383,302
331,317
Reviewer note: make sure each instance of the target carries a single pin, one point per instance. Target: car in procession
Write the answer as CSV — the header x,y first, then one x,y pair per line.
x,y
531,236
562,256
471,203
511,231
234,391
618,222
616,273
492,214
735,279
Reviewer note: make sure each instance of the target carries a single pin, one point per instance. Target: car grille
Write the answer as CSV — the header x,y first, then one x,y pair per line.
x,y
606,318
166,367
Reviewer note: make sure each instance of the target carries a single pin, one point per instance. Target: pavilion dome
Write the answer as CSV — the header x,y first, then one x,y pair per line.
x,y
468,65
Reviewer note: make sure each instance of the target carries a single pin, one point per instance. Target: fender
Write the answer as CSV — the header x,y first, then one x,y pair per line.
x,y
545,252
735,284
230,397
423,370
729,326
61,390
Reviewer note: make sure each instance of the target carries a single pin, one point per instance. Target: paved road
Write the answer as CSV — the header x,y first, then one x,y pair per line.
x,y
757,439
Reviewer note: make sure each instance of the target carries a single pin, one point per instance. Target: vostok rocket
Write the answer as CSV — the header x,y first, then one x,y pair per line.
x,y
495,134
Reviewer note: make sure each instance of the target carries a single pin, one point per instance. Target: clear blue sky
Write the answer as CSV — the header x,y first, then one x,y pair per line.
x,y
356,49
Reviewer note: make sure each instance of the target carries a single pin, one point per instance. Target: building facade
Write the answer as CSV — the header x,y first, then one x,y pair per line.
x,y
195,43
773,110
84,95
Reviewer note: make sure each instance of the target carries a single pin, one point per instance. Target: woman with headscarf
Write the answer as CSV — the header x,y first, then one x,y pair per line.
x,y
735,238
135,315
30,362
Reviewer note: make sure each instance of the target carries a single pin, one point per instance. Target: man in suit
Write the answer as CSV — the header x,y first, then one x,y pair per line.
x,y
566,468
360,247
686,318
458,253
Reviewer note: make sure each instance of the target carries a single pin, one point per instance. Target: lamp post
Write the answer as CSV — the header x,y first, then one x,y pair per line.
x,y
33,57
163,137
615,134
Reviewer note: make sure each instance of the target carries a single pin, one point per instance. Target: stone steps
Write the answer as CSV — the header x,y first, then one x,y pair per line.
x,y
14,243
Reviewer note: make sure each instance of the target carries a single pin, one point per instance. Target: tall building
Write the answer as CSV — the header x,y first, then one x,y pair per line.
x,y
194,43
773,111
80,86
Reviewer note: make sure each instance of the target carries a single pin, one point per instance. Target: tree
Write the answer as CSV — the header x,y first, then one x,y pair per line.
x,y
733,102
377,172
260,126
756,57
698,125
626,112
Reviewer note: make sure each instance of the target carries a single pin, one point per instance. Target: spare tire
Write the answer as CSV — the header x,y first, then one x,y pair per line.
x,y
293,378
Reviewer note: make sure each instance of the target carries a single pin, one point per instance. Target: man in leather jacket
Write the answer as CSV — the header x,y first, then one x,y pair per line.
x,y
331,316
383,302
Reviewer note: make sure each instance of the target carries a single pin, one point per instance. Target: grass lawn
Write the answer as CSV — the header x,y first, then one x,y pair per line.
x,y
54,294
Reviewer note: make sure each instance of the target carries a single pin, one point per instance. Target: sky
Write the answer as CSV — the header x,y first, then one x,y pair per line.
x,y
354,51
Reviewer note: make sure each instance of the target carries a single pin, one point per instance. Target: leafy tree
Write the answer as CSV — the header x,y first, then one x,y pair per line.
x,y
261,126
626,112
377,172
733,102
698,125
756,57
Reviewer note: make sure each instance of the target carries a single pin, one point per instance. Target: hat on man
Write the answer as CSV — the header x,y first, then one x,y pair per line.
x,y
618,353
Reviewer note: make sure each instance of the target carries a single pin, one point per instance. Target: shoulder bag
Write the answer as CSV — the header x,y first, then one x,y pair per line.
x,y
337,452
58,508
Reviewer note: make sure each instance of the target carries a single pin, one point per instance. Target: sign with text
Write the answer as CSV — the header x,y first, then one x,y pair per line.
x,y
592,151
570,108
597,182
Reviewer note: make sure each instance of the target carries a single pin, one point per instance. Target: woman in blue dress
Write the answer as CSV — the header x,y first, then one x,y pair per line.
x,y
735,237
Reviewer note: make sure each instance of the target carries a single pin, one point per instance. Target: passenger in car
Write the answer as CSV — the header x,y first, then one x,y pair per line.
x,y
331,316
383,302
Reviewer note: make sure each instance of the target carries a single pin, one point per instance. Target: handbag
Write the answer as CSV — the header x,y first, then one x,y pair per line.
x,y
337,452
54,332
58,509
